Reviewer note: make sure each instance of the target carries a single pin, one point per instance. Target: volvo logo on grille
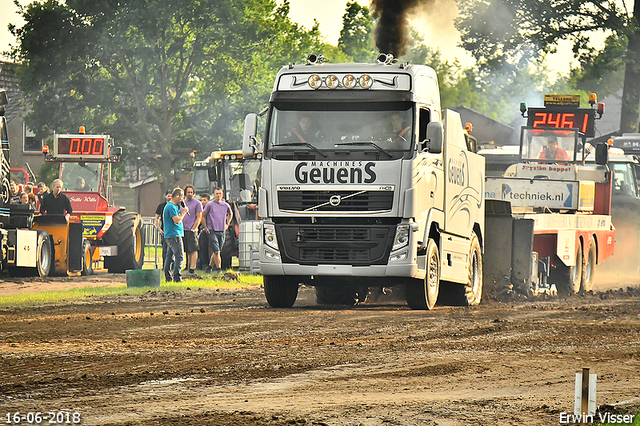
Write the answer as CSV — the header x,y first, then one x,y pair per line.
x,y
335,200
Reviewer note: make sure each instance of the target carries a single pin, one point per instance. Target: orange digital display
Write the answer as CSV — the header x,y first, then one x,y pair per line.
x,y
582,119
81,146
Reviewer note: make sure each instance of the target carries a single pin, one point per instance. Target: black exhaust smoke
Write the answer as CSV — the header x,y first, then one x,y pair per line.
x,y
392,29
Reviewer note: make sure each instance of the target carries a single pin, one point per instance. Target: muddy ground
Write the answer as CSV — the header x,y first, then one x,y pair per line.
x,y
223,357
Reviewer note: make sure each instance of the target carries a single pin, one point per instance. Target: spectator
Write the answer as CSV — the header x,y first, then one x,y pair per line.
x,y
173,233
14,193
203,237
218,216
24,198
191,223
56,202
33,201
42,190
159,225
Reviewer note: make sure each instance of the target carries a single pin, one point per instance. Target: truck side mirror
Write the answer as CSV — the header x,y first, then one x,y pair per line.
x,y
602,153
213,174
249,140
435,135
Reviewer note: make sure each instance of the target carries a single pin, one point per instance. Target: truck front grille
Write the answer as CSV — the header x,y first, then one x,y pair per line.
x,y
338,201
335,244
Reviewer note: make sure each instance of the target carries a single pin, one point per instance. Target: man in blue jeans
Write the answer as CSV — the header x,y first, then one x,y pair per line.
x,y
173,233
217,216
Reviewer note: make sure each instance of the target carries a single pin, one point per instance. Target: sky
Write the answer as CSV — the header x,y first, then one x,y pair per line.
x,y
435,24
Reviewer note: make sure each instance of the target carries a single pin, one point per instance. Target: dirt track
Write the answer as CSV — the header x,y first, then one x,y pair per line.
x,y
207,357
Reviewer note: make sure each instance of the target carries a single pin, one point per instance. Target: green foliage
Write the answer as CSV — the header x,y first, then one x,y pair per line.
x,y
163,78
603,71
496,95
506,35
356,36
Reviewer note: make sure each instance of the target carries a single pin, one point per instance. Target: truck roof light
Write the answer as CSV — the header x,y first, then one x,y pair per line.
x,y
349,81
600,109
610,142
332,81
523,108
365,81
468,127
314,81
592,99
45,149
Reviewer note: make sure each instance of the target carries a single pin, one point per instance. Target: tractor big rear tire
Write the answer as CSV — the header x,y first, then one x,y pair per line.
x,y
126,233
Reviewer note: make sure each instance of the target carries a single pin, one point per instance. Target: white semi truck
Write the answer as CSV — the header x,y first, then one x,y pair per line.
x,y
366,182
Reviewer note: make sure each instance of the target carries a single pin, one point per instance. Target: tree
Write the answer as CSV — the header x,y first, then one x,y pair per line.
x,y
509,33
356,36
163,77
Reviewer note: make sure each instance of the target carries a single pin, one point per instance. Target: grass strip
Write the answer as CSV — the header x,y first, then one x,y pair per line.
x,y
74,294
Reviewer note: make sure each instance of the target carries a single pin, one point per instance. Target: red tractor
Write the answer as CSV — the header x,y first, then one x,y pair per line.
x,y
112,238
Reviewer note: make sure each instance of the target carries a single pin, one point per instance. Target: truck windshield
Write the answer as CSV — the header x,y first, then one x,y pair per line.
x,y
624,182
80,176
378,128
548,145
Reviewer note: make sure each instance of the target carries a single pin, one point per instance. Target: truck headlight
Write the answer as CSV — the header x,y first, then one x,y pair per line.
x,y
402,237
270,235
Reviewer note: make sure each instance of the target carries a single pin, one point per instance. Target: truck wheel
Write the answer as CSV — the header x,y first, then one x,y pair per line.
x,y
570,277
423,294
87,259
228,249
126,233
341,295
280,291
44,259
469,294
589,267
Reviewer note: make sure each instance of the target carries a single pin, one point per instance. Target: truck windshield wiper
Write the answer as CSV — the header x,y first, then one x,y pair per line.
x,y
376,146
308,145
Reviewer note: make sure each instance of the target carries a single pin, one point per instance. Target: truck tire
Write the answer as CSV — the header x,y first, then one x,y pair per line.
x,y
569,278
469,294
87,259
44,259
280,291
341,295
589,267
423,294
126,233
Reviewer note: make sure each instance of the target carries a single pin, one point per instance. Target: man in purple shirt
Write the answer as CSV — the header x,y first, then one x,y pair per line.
x,y
191,222
218,215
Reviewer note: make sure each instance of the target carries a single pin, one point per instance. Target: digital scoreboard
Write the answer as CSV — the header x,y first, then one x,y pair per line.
x,y
81,147
582,119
